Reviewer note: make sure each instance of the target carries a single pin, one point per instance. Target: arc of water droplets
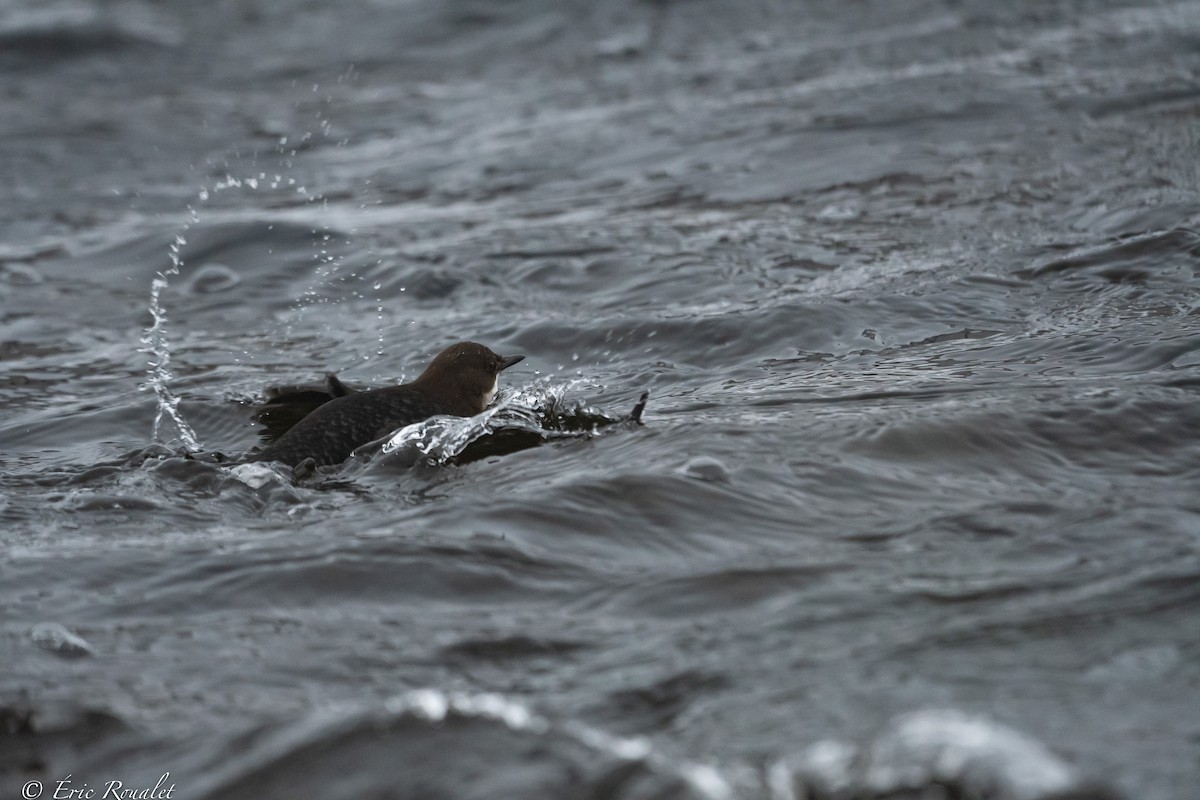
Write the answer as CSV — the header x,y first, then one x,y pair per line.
x,y
154,339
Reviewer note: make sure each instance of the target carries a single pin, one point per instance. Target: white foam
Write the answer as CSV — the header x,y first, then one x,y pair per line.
x,y
435,705
973,754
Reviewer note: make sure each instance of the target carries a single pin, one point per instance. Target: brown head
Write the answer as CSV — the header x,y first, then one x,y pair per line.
x,y
464,376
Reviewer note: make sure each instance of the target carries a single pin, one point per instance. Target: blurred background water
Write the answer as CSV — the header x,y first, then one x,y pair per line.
x,y
913,286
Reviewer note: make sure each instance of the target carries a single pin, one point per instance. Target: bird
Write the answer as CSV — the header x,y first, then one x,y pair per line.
x,y
461,381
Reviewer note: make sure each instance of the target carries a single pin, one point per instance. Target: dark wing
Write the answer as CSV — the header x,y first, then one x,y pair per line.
x,y
287,405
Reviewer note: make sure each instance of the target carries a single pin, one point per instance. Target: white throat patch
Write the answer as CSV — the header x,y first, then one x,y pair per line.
x,y
490,395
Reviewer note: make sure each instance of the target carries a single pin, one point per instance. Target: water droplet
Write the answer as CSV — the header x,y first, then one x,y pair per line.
x,y
213,278
54,637
706,468
15,274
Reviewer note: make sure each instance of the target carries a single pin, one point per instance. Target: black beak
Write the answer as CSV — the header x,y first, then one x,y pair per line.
x,y
508,361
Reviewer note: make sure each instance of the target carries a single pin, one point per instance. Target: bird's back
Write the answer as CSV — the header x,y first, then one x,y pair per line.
x,y
332,431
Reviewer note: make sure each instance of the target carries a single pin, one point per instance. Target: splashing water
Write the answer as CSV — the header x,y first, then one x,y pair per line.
x,y
440,439
155,342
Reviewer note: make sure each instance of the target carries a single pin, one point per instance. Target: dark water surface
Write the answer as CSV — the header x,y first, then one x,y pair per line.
x,y
915,289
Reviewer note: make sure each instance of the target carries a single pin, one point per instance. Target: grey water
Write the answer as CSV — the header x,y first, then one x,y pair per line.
x,y
914,287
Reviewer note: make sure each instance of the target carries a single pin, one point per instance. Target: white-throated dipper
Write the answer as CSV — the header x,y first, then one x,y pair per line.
x,y
461,381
